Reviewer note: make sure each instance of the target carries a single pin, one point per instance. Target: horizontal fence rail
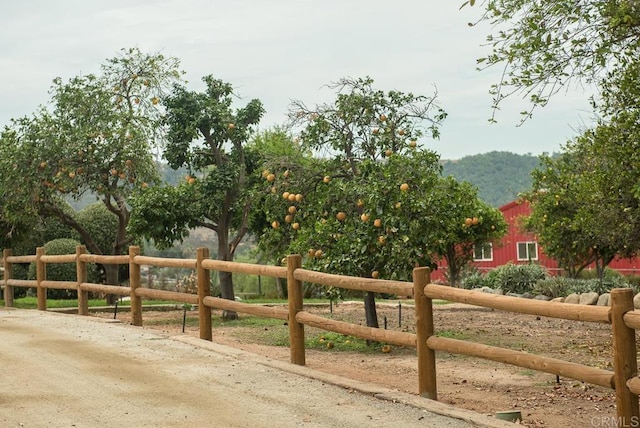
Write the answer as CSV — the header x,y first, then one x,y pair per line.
x,y
355,283
621,315
539,363
565,311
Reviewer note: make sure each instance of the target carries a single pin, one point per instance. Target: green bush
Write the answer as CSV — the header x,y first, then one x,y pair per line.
x,y
473,280
518,279
595,285
563,286
633,281
556,286
63,271
491,279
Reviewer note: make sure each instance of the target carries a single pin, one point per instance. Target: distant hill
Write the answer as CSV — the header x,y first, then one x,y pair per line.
x,y
499,176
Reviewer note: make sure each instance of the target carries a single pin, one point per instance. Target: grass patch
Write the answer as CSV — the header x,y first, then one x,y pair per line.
x,y
452,334
32,303
330,341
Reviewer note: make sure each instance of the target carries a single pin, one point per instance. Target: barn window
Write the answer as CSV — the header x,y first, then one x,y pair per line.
x,y
527,251
483,251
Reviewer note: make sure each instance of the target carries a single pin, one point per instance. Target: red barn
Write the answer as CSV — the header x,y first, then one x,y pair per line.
x,y
520,247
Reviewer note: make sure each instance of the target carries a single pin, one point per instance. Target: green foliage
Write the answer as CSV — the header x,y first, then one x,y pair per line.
x,y
377,207
329,341
547,46
208,138
499,176
469,221
570,211
474,280
562,286
519,279
101,224
554,286
94,137
63,271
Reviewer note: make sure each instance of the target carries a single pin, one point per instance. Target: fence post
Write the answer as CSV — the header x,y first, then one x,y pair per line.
x,y
625,364
8,274
41,275
81,275
424,329
204,290
134,284
296,330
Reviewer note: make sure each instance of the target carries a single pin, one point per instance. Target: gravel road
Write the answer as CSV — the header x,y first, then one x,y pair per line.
x,y
71,371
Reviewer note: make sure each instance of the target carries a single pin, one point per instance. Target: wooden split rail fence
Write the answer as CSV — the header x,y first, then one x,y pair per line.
x,y
621,315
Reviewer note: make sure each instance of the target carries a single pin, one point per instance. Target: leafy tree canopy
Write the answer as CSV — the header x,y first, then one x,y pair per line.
x,y
545,46
371,203
208,137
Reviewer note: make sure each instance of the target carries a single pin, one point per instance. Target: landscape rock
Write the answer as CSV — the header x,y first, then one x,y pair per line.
x,y
604,300
514,295
636,301
572,298
590,298
558,300
527,295
542,297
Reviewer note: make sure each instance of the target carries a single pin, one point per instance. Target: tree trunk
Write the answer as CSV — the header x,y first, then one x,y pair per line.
x,y
111,278
281,287
370,310
454,274
226,278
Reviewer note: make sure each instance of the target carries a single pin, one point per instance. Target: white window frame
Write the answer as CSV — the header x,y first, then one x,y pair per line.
x,y
484,247
527,256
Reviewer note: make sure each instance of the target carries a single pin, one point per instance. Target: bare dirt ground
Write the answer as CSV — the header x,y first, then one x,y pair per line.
x,y
483,386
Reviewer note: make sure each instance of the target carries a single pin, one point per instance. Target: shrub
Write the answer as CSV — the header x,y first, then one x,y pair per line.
x,y
562,286
473,280
595,285
518,278
63,271
557,286
491,279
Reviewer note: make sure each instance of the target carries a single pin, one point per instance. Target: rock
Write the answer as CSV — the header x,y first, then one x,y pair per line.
x,y
542,297
487,290
527,295
604,300
558,300
590,298
513,295
636,301
572,298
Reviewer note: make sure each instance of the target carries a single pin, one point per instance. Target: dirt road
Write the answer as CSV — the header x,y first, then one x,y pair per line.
x,y
70,371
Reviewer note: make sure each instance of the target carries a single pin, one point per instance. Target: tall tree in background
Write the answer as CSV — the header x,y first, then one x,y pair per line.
x,y
545,46
565,213
209,138
96,137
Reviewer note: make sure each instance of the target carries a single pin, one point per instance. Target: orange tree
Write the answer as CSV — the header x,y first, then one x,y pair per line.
x,y
209,138
366,207
95,137
463,222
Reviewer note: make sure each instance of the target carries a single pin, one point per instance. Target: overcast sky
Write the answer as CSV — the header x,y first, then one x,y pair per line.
x,y
282,50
